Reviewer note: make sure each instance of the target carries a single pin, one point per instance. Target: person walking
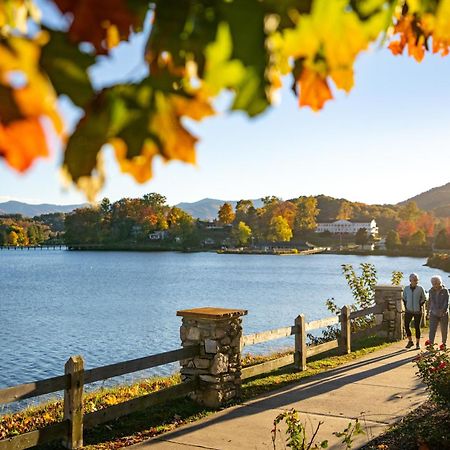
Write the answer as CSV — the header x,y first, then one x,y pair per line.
x,y
438,309
414,297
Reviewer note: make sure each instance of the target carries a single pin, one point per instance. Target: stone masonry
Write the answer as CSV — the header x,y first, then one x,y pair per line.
x,y
218,332
391,318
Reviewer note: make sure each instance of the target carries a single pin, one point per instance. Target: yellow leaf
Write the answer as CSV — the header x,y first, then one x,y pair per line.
x,y
442,24
37,97
343,78
112,36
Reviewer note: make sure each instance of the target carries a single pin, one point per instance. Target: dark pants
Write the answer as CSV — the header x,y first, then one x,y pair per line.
x,y
417,319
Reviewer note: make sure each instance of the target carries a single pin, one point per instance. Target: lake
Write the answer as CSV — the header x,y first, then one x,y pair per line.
x,y
114,306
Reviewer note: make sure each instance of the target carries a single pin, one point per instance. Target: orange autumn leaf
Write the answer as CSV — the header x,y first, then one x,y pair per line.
x,y
140,167
195,108
314,90
176,141
21,142
411,35
396,47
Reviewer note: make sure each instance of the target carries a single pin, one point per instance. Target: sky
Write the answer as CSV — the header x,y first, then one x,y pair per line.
x,y
384,142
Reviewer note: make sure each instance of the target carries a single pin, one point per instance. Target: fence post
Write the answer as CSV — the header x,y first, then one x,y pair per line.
x,y
300,343
346,333
73,402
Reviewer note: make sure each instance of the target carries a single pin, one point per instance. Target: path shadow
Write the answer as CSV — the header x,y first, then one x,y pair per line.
x,y
310,387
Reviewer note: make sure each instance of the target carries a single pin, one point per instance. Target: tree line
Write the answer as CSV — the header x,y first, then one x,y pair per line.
x,y
17,230
274,221
296,219
132,220
129,221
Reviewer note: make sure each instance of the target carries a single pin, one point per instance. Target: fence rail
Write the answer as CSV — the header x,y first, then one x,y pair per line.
x,y
29,390
135,365
36,437
377,309
264,336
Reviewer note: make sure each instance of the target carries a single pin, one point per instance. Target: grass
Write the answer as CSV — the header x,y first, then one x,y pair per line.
x,y
153,421
316,364
425,428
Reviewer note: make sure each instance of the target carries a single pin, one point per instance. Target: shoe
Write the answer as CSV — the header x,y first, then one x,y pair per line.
x,y
409,344
417,346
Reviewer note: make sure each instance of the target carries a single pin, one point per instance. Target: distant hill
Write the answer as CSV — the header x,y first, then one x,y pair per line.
x,y
208,208
436,200
28,210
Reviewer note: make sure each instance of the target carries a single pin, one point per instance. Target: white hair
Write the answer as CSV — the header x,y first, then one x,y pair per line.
x,y
436,278
414,275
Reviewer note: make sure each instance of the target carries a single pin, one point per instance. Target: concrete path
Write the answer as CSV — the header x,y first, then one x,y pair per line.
x,y
379,388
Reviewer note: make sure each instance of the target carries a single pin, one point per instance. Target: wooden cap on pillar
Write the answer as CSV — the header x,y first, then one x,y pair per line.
x,y
212,313
388,287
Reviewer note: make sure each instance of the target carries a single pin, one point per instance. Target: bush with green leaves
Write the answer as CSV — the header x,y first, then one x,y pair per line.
x,y
434,370
363,291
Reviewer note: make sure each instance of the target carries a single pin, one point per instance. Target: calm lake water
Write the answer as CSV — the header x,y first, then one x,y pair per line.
x,y
114,306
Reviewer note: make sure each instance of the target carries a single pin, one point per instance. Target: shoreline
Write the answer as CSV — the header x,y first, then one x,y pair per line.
x,y
252,251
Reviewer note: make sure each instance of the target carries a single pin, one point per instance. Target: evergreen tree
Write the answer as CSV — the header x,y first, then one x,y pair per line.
x,y
393,240
361,237
442,240
418,239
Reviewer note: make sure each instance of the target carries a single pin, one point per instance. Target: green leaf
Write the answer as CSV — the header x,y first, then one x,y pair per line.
x,y
246,21
80,158
182,29
66,67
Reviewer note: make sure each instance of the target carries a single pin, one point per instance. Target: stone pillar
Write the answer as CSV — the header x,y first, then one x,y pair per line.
x,y
218,332
392,319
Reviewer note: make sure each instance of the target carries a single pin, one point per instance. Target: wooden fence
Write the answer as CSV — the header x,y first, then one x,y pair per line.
x,y
70,430
300,330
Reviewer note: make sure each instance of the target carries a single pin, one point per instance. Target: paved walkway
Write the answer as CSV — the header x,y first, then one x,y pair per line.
x,y
379,388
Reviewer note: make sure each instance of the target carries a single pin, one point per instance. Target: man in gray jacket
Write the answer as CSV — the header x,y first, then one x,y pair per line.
x,y
414,298
438,309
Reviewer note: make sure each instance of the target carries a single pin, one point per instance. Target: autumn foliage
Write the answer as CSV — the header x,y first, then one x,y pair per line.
x,y
195,50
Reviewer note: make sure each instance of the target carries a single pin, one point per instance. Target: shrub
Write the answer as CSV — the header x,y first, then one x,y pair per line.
x,y
434,370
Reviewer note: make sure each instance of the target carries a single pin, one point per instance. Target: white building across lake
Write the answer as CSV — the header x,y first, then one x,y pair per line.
x,y
347,226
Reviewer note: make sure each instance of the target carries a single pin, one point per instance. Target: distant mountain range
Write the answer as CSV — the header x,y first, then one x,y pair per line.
x,y
436,200
208,208
28,210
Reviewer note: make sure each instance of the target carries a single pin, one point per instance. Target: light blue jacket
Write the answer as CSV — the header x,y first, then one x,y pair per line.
x,y
414,299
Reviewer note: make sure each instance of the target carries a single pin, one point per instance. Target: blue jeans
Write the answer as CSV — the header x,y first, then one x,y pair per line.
x,y
443,322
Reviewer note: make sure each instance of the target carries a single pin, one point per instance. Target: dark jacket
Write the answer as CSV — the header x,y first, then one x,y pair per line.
x,y
438,301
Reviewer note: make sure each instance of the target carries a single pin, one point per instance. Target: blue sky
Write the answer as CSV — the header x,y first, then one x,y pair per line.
x,y
384,142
